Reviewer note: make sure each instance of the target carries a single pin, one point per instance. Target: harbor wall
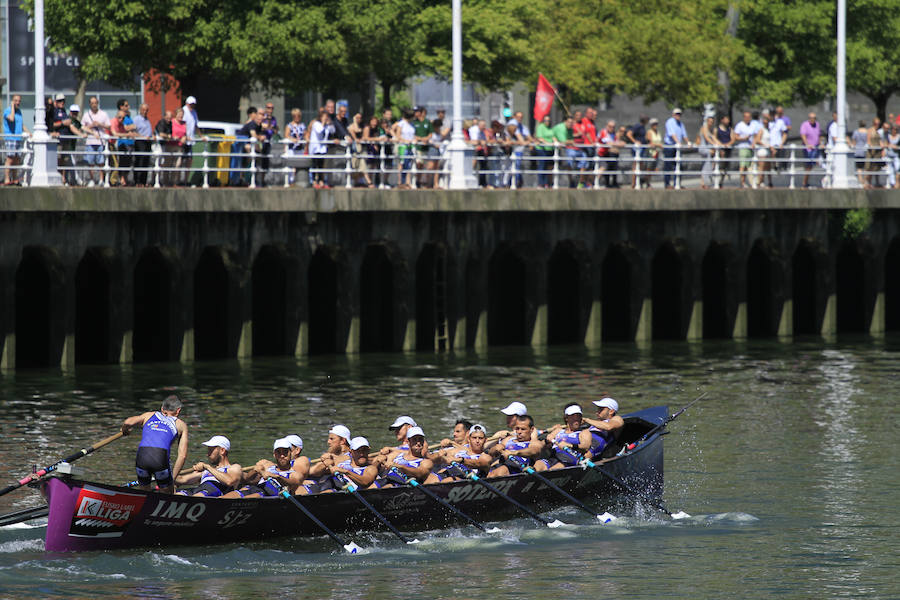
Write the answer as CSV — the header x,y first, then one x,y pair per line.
x,y
133,275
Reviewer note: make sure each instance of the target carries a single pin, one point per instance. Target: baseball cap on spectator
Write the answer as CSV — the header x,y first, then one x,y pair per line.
x,y
340,431
358,442
607,403
74,108
190,100
60,96
676,111
417,108
653,121
218,440
514,408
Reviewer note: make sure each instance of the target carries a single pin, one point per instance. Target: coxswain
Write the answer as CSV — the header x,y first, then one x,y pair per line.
x,y
605,429
472,455
521,443
216,477
338,451
158,430
267,479
399,427
357,469
567,442
413,462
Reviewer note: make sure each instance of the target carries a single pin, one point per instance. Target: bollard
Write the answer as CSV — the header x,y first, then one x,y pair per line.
x,y
106,169
677,166
555,165
252,166
348,169
205,168
792,172
157,170
287,169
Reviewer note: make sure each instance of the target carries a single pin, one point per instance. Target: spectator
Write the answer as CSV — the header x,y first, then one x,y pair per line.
x,y
725,137
607,139
142,142
513,148
637,136
179,137
589,134
387,124
478,138
860,139
811,134
295,133
544,134
615,150
374,135
744,140
563,134
764,150
525,133
358,162
892,153
318,148
580,152
655,143
247,137
68,140
170,147
405,134
96,125
786,126
123,129
777,138
13,129
49,114
495,137
269,125
59,119
874,152
676,135
424,130
706,146
435,151
190,124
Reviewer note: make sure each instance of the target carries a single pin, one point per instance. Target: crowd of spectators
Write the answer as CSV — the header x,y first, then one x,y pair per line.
x,y
381,151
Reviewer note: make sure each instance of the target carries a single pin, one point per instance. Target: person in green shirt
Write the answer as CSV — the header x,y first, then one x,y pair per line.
x,y
423,136
544,135
562,133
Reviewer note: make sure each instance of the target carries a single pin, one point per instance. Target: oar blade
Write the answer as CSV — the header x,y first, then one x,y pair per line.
x,y
606,518
681,515
556,523
352,548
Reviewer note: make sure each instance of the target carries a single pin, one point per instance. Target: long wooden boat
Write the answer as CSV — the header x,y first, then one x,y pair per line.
x,y
86,515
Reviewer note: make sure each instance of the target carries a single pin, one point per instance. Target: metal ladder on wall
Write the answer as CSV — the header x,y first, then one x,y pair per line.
x,y
440,300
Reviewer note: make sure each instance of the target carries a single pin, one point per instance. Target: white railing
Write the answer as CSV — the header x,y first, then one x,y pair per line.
x,y
379,163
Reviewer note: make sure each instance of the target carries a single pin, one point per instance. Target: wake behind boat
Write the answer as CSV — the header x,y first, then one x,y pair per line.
x,y
87,515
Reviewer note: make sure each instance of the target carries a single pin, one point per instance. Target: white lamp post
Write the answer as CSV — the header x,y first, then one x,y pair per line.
x,y
461,154
840,175
43,166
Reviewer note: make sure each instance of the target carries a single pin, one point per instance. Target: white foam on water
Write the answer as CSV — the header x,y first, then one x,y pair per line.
x,y
36,524
727,517
21,545
178,560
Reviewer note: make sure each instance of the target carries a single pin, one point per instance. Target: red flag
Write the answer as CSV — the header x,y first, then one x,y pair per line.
x,y
543,98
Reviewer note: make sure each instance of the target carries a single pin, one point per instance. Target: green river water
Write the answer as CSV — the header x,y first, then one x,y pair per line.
x,y
789,469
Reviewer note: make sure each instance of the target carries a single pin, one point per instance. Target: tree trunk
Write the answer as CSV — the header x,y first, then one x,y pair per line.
x,y
386,94
80,91
881,101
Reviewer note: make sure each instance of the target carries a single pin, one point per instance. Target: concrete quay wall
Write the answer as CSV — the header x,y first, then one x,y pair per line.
x,y
113,275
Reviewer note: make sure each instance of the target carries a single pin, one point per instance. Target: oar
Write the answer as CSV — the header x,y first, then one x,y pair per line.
x,y
523,465
351,548
24,515
401,478
670,418
618,481
458,470
40,473
350,487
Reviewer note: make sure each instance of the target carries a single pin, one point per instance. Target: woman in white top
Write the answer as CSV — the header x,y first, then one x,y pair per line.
x,y
318,148
764,150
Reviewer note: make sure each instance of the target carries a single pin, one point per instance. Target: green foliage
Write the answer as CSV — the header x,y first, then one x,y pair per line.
x,y
856,222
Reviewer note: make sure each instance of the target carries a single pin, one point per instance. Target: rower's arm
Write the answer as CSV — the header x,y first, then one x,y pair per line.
x,y
420,472
191,478
365,480
614,422
135,421
531,451
301,467
483,461
182,445
231,477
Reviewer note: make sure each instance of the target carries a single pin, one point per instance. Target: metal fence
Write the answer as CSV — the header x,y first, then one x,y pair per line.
x,y
228,162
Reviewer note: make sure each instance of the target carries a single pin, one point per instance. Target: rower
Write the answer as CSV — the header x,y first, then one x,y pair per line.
x,y
267,481
216,477
472,456
357,469
512,412
521,443
299,464
568,441
400,426
158,430
412,463
605,429
338,450
459,437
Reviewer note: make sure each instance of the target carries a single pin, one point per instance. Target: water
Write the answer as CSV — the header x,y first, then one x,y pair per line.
x,y
789,468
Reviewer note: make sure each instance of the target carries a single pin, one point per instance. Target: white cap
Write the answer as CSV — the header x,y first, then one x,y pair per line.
x,y
401,421
573,410
340,431
413,432
281,443
477,427
60,96
358,442
607,403
295,440
514,408
676,111
218,440
74,108
190,100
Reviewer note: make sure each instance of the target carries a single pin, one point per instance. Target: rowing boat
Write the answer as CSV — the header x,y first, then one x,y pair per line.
x,y
86,515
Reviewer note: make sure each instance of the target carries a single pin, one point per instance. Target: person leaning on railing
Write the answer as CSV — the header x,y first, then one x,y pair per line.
x,y
373,136
95,123
13,130
143,135
544,135
294,133
169,147
179,137
67,142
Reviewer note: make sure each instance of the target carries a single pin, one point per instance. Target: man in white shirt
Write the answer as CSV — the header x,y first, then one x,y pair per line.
x,y
190,125
777,137
96,125
743,135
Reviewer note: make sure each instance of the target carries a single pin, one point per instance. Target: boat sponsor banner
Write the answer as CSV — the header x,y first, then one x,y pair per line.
x,y
104,513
